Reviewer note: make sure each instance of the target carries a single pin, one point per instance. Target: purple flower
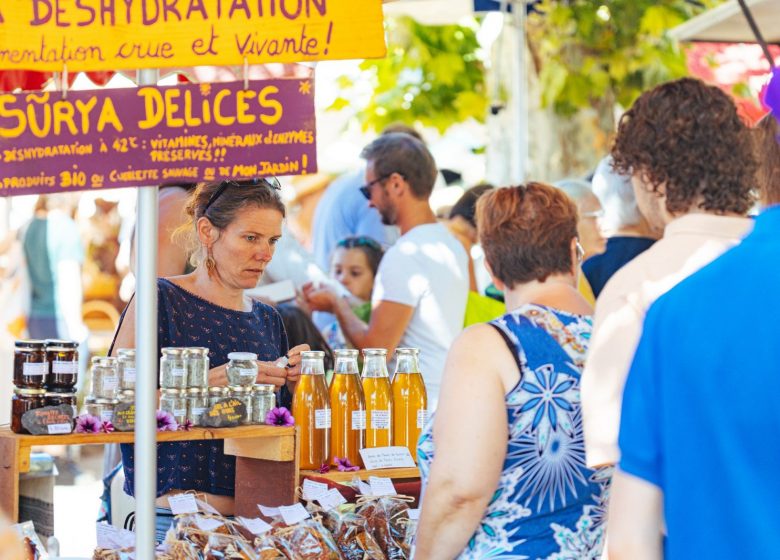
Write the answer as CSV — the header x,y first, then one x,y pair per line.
x,y
772,94
279,417
88,424
166,422
343,465
324,468
107,427
187,426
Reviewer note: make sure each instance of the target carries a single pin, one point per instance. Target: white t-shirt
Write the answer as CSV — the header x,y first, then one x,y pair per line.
x,y
427,269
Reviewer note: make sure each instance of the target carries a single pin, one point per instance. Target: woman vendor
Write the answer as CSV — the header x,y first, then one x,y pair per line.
x,y
236,225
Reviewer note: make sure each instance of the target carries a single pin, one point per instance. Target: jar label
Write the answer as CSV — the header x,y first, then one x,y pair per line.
x,y
35,368
422,418
129,375
110,384
59,429
199,411
380,419
64,367
358,419
178,372
247,372
322,418
180,412
106,415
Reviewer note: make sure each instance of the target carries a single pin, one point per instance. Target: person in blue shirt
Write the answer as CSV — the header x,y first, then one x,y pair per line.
x,y
698,435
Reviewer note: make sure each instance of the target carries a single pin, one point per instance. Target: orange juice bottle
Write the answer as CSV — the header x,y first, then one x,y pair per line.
x,y
410,400
348,406
379,398
311,409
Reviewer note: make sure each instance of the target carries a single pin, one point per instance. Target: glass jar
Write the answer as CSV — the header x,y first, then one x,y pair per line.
x,y
379,398
197,367
173,369
105,377
263,401
311,410
175,402
63,358
100,408
197,405
126,361
242,369
30,366
216,394
22,401
244,394
126,396
56,398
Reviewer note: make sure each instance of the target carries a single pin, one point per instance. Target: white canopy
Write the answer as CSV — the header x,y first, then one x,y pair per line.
x,y
727,24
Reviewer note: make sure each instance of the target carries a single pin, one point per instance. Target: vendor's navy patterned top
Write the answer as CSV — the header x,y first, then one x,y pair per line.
x,y
548,505
185,319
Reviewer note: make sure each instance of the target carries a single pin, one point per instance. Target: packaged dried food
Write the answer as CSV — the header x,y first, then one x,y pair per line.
x,y
308,540
228,547
386,518
353,538
33,547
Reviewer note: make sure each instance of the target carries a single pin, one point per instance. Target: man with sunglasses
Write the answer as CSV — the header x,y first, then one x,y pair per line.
x,y
420,292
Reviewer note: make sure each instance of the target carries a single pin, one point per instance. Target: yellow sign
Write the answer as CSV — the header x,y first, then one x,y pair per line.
x,y
90,35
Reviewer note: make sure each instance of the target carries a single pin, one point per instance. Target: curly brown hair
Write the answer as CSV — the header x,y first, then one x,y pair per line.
x,y
526,232
766,136
688,136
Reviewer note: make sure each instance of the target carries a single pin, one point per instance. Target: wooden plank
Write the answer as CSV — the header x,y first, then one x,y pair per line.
x,y
9,478
270,483
280,448
363,474
258,431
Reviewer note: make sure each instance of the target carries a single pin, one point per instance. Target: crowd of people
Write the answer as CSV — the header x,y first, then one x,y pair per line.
x,y
611,392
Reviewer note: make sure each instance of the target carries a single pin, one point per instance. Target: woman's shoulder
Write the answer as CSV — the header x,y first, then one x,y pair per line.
x,y
265,311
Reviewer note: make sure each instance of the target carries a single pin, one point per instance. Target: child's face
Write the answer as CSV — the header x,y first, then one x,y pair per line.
x,y
350,268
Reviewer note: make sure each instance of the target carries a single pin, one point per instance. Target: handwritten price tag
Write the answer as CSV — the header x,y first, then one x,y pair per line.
x,y
183,503
381,486
207,523
387,458
313,490
293,514
331,499
256,526
268,511
113,538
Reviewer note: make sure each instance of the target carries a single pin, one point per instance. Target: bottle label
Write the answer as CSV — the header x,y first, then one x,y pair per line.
x,y
247,372
107,416
64,367
32,368
380,419
358,419
322,418
110,383
178,372
129,375
422,418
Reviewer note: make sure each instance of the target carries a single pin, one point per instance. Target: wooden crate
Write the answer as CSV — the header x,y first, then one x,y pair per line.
x,y
266,461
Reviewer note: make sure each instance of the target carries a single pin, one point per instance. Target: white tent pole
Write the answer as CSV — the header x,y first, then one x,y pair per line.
x,y
519,161
146,360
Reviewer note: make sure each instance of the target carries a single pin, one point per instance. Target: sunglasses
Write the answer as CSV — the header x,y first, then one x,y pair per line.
x,y
270,182
366,189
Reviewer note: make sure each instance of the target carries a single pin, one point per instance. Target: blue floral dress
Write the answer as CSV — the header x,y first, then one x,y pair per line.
x,y
548,504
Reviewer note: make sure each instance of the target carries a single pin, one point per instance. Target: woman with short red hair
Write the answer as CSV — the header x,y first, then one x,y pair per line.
x,y
503,462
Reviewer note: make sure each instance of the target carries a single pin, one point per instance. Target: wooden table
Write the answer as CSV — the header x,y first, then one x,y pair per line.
x,y
266,460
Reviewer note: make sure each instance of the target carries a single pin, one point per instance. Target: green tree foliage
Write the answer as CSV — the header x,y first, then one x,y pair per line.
x,y
593,54
432,75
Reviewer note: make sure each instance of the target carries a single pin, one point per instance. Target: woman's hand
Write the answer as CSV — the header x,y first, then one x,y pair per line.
x,y
218,376
321,298
269,372
294,364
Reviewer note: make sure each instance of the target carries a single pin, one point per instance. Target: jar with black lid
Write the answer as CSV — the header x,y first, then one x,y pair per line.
x,y
63,358
30,365
56,398
23,401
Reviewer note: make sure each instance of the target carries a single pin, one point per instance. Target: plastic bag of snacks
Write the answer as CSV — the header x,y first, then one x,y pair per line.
x,y
386,518
228,547
267,547
354,540
307,540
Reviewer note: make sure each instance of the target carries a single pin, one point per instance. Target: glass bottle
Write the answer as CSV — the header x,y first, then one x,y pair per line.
x,y
126,359
348,406
311,409
105,377
175,402
379,398
173,369
263,401
410,400
197,367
